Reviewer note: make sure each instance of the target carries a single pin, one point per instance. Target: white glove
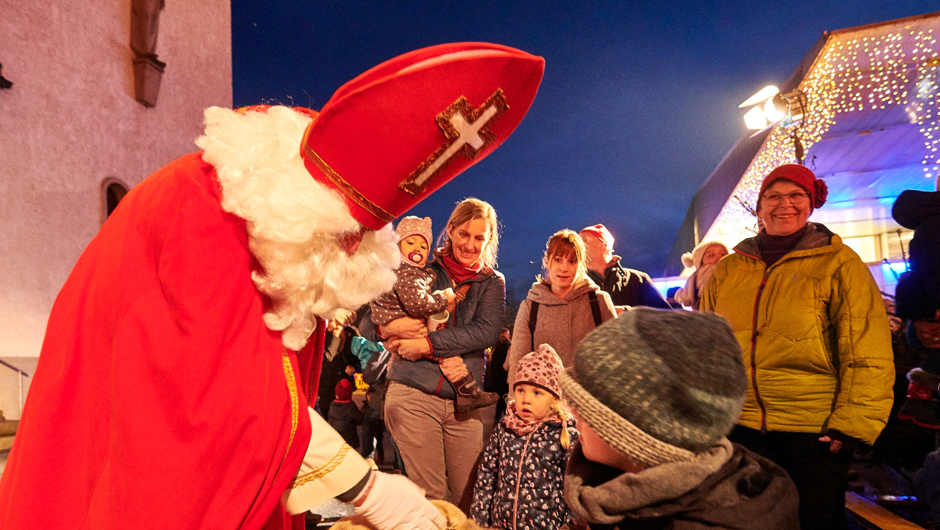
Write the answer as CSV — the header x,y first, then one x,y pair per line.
x,y
392,502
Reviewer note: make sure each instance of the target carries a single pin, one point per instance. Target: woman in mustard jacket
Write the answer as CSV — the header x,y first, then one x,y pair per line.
x,y
817,347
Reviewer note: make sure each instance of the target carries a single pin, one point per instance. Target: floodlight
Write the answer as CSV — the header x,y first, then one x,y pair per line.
x,y
762,95
775,108
755,119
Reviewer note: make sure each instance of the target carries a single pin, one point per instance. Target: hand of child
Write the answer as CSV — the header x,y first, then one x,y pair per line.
x,y
451,299
413,349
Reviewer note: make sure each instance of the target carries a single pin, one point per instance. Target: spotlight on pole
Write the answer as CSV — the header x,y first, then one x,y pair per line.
x,y
769,106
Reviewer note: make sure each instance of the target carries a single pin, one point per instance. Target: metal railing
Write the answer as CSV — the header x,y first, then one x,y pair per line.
x,y
21,374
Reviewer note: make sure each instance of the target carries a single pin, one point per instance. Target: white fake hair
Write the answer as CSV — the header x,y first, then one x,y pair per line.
x,y
293,222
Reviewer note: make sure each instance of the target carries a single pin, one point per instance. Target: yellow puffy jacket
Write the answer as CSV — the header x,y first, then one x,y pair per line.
x,y
814,334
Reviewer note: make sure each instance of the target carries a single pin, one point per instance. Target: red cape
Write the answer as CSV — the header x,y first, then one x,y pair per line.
x,y
160,398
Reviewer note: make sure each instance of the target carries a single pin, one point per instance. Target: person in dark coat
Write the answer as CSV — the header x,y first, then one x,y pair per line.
x,y
918,302
375,374
655,394
339,362
627,287
373,425
345,415
495,377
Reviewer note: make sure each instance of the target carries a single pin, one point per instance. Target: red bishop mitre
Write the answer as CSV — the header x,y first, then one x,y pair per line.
x,y
398,132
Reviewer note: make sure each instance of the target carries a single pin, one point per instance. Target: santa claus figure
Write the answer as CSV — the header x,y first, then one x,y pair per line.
x,y
172,388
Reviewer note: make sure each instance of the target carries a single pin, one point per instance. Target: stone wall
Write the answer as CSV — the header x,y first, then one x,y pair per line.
x,y
70,122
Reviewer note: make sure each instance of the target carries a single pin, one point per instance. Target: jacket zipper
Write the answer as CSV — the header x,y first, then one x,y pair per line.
x,y
754,334
515,499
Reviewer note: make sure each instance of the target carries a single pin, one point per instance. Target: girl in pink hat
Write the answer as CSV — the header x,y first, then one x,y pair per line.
x,y
521,478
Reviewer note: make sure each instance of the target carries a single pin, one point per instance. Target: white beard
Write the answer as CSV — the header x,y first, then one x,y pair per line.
x,y
293,221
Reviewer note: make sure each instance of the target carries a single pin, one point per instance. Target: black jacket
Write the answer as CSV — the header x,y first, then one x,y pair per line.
x,y
629,287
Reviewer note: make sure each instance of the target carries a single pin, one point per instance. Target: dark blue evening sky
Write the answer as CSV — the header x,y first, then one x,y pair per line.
x,y
637,107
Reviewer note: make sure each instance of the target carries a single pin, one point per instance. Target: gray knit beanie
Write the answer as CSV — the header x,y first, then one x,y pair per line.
x,y
658,385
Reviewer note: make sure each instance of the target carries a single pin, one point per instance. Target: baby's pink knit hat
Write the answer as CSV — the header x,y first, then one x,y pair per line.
x,y
415,226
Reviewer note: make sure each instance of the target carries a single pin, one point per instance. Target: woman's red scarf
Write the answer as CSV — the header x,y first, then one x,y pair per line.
x,y
457,271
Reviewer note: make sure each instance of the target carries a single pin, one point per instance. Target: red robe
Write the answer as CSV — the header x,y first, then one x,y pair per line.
x,y
160,398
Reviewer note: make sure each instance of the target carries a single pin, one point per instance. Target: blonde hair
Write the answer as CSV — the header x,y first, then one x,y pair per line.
x,y
559,408
467,210
565,243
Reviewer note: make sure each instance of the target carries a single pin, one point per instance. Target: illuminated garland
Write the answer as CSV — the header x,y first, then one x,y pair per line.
x,y
867,69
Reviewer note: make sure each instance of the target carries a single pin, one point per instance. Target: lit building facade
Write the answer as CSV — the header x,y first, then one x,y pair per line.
x,y
76,132
871,100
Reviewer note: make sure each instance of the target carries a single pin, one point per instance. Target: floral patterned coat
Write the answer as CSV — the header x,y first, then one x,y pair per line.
x,y
520,485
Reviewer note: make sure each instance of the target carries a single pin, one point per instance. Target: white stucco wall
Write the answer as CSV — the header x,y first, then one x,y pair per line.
x,y
70,121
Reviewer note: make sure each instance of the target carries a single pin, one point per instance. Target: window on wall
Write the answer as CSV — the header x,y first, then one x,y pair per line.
x,y
113,191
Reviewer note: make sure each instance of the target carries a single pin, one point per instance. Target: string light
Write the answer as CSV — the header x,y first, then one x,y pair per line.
x,y
877,69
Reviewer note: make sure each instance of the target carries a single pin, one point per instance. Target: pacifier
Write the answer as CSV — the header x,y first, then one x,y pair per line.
x,y
415,257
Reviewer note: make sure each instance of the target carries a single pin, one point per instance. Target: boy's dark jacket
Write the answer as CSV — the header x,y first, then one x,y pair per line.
x,y
746,492
344,417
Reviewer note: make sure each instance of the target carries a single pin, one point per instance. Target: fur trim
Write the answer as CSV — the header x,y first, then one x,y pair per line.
x,y
694,258
293,221
924,378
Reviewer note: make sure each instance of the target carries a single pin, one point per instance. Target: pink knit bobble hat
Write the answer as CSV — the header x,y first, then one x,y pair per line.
x,y
541,368
414,226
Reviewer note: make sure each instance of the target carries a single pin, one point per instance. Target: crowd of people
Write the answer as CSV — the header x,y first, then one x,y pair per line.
x,y
795,377
614,408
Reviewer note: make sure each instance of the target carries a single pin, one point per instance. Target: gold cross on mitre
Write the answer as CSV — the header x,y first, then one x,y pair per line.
x,y
465,132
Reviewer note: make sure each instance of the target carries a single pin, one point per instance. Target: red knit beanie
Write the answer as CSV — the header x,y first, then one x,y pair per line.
x,y
802,177
600,232
344,390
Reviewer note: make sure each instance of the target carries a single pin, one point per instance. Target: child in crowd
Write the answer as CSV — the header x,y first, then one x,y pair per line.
x,y
344,415
655,394
373,425
520,482
412,297
704,258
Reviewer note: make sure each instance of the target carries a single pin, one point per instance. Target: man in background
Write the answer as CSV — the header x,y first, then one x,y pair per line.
x,y
626,287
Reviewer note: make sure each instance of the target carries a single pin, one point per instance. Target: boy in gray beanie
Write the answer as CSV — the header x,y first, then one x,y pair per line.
x,y
655,393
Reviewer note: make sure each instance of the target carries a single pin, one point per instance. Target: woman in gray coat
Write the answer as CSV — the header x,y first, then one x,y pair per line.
x,y
562,307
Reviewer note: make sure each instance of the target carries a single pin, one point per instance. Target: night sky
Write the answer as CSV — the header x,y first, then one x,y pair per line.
x,y
637,107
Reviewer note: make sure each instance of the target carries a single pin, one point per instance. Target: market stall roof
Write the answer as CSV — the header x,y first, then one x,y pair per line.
x,y
871,130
